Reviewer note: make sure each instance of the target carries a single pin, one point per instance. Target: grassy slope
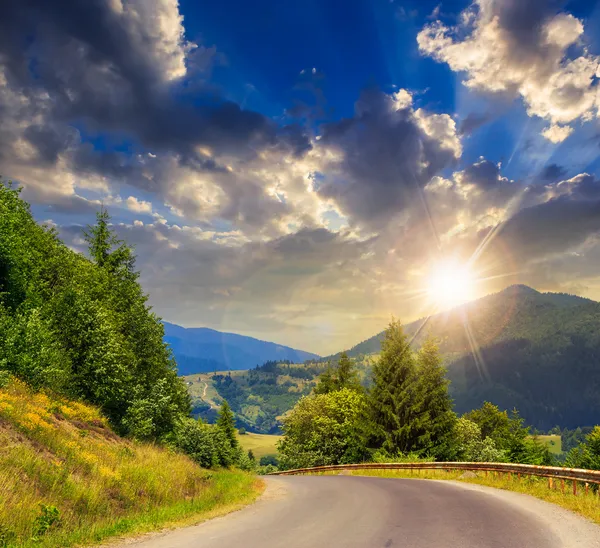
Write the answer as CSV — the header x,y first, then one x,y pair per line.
x,y
255,402
553,442
261,444
62,453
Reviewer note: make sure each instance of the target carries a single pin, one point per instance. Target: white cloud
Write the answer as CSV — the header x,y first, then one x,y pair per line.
x,y
556,133
538,63
138,206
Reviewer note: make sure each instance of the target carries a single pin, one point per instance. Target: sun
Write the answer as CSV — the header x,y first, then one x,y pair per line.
x,y
450,284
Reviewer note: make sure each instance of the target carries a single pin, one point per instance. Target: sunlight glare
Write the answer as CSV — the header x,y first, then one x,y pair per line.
x,y
450,284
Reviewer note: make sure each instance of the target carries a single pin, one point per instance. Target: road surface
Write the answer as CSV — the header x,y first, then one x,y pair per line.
x,y
369,512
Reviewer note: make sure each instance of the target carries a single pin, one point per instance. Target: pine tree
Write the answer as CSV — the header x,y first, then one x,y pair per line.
x,y
226,423
347,376
344,375
107,251
392,398
326,383
435,418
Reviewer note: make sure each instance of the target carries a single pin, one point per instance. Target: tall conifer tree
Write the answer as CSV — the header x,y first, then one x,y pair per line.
x,y
435,418
392,397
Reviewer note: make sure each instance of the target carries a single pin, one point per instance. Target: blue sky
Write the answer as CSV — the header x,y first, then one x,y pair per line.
x,y
296,170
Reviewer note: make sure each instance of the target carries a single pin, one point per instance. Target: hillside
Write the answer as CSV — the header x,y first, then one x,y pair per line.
x,y
259,397
63,468
200,350
539,352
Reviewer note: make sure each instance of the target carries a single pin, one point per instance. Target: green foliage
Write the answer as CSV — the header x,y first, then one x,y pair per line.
x,y
392,398
7,536
344,375
510,435
434,419
196,440
471,446
324,429
49,517
587,453
83,327
269,460
536,351
226,423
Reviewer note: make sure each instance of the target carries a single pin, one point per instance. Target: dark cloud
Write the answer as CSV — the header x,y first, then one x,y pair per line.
x,y
473,121
524,21
384,156
84,62
552,173
549,228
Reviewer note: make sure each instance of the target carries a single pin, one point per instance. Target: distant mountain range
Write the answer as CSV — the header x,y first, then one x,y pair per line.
x,y
539,352
199,350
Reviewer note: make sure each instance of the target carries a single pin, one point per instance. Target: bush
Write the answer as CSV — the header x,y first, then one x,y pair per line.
x,y
324,429
197,440
269,460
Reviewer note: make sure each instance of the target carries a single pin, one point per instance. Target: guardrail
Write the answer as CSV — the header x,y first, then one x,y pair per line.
x,y
574,475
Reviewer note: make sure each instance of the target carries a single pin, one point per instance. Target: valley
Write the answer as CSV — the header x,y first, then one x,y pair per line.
x,y
538,352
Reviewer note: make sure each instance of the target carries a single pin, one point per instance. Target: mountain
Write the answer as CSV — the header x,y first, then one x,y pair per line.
x,y
200,349
494,317
539,352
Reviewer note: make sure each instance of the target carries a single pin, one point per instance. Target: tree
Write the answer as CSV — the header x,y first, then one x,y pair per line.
x,y
434,417
324,429
226,423
470,445
493,423
83,326
106,250
393,396
510,435
344,375
587,453
326,382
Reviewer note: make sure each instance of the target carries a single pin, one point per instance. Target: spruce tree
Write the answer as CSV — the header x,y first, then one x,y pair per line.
x,y
344,375
226,423
435,418
326,383
392,398
347,376
107,251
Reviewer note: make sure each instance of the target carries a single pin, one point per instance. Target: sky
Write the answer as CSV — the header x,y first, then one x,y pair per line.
x,y
297,171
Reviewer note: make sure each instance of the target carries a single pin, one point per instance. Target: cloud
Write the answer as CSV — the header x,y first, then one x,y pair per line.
x,y
124,69
472,122
552,173
527,49
138,206
374,164
556,133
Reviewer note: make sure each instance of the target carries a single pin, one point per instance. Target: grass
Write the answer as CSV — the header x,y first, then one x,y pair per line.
x,y
553,442
261,444
62,454
587,505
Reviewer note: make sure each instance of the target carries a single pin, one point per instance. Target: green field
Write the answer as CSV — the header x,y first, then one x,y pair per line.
x,y
261,444
553,442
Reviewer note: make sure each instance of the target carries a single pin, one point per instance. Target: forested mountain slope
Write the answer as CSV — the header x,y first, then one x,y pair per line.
x,y
199,350
537,351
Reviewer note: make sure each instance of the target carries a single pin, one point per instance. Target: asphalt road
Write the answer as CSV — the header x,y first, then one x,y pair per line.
x,y
363,512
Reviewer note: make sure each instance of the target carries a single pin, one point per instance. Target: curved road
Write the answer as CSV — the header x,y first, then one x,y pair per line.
x,y
369,512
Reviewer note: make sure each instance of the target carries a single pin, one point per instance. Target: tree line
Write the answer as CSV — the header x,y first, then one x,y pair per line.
x,y
81,326
407,413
